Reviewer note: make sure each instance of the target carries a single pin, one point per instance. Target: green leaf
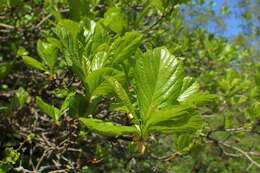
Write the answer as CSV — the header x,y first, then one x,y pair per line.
x,y
50,110
122,94
31,62
21,96
47,52
115,19
78,9
199,98
108,128
98,61
158,78
11,155
78,105
184,142
66,102
193,124
68,31
189,87
174,113
3,108
124,47
4,168
5,69
97,85
21,52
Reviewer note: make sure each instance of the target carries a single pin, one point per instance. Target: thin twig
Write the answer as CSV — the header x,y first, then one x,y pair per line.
x,y
242,152
3,25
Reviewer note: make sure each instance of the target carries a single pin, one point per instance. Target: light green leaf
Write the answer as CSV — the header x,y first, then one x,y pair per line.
x,y
47,52
108,128
21,52
158,78
50,110
33,63
98,61
21,96
189,87
66,102
115,19
199,98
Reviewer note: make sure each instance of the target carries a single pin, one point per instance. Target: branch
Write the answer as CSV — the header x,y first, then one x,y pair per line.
x,y
48,17
242,152
246,154
3,25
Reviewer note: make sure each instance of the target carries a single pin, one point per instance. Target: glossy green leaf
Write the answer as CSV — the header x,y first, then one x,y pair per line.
x,y
158,78
108,128
189,87
98,61
21,52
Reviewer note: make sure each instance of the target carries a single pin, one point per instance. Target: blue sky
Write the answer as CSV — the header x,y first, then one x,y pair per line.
x,y
232,21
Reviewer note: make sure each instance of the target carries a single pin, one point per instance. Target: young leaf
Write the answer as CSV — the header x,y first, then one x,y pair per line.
x,y
50,110
33,63
108,128
48,53
116,20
